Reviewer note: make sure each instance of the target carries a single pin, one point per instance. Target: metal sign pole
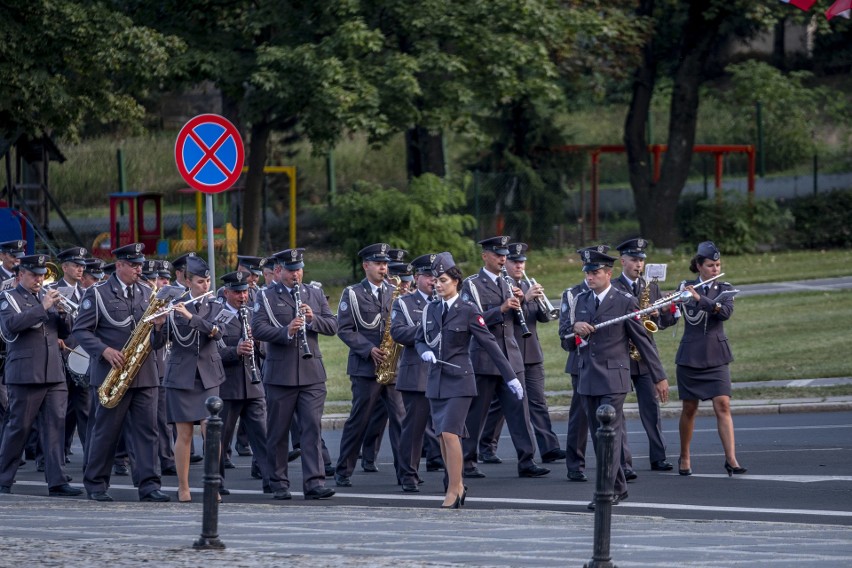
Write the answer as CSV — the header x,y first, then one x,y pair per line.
x,y
211,258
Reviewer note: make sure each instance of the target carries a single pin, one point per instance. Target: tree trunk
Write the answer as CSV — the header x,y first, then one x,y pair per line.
x,y
424,153
656,202
253,196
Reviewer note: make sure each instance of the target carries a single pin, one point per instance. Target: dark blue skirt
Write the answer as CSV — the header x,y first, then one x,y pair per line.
x,y
703,384
449,415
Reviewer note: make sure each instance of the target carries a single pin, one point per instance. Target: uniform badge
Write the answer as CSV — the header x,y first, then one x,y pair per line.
x,y
393,315
480,320
564,307
466,297
256,307
87,304
344,306
4,305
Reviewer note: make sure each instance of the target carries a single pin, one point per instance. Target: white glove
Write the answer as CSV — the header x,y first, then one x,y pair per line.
x,y
515,386
429,357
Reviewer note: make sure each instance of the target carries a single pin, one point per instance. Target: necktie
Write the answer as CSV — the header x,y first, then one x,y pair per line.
x,y
379,295
597,302
705,289
636,289
444,311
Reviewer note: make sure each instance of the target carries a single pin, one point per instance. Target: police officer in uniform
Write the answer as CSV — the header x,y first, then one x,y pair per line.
x,y
632,265
32,323
179,264
10,256
412,374
604,354
242,392
577,436
293,371
498,304
362,313
108,315
93,273
73,262
159,277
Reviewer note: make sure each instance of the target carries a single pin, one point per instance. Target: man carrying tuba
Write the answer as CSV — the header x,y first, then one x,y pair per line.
x,y
107,317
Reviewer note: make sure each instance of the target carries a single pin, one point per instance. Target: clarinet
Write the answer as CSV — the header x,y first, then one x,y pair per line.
x,y
247,337
522,321
303,331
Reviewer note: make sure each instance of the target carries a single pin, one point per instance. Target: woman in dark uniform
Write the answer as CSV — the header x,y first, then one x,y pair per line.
x,y
194,368
443,339
703,356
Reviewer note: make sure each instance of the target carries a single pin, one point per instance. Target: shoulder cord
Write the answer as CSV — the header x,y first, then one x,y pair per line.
x,y
700,315
404,309
572,305
437,339
272,319
109,318
183,340
475,294
17,309
353,301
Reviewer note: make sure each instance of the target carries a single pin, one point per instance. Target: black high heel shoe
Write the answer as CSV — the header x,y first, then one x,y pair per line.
x,y
687,471
732,470
463,496
456,504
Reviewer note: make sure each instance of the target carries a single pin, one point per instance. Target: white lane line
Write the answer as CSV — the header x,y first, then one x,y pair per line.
x,y
785,478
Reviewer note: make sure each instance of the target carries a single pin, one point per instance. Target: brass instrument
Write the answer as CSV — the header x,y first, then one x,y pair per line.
x,y
522,321
244,315
542,301
650,326
52,274
303,331
386,371
135,352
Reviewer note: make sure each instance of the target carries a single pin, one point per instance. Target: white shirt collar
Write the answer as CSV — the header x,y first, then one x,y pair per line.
x,y
603,294
451,301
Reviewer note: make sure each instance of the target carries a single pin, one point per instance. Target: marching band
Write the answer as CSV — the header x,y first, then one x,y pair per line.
x,y
124,357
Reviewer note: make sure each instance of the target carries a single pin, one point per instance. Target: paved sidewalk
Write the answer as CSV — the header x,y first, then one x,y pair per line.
x,y
52,532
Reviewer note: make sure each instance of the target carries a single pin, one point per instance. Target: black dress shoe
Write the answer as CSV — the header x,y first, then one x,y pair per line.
x,y
156,496
224,491
64,490
410,488
294,455
533,471
67,460
40,467
243,450
255,472
5,490
228,464
120,469
489,458
473,472
577,476
195,458
329,471
282,495
342,481
319,493
681,471
616,499
267,489
630,475
368,466
553,455
101,496
661,465
169,470
435,465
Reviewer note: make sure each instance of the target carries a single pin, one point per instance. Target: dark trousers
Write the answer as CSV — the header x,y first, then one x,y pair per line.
x,y
375,432
283,403
77,414
30,404
251,413
591,404
165,446
366,393
652,422
578,431
414,423
137,409
517,418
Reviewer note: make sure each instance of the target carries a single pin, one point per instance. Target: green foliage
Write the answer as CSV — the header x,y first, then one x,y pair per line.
x,y
735,226
823,220
65,64
425,218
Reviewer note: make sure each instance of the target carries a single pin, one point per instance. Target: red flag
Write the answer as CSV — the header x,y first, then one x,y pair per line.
x,y
839,8
801,4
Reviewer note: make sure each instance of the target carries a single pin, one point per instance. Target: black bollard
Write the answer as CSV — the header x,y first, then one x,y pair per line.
x,y
604,488
212,448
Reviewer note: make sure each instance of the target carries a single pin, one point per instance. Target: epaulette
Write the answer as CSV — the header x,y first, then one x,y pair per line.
x,y
99,284
586,291
471,277
626,295
145,284
317,285
219,300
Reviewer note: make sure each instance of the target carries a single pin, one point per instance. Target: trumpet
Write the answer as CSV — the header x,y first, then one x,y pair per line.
x,y
542,301
303,332
171,307
522,321
68,305
244,315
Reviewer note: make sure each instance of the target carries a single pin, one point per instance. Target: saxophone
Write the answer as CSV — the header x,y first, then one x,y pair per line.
x,y
644,303
386,371
135,352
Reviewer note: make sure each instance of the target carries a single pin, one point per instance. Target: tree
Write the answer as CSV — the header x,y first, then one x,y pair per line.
x,y
66,64
686,43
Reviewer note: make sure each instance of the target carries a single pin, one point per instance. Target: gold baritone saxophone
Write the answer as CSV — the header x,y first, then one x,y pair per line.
x,y
386,371
135,352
